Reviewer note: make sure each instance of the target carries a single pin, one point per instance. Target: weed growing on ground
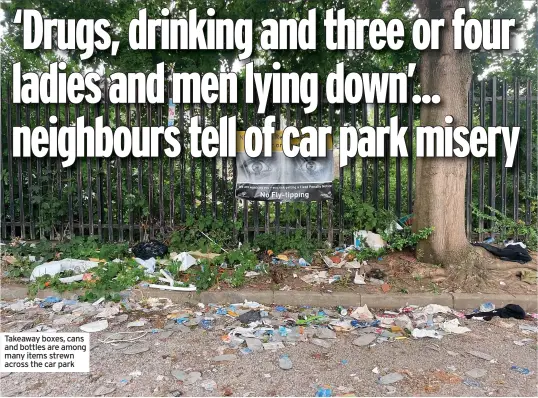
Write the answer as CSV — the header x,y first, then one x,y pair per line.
x,y
505,227
279,243
108,279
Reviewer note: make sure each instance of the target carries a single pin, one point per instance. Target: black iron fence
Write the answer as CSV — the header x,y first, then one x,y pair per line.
x,y
134,198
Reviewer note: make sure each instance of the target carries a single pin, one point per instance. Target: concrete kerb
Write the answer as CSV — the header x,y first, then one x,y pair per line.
x,y
460,301
466,300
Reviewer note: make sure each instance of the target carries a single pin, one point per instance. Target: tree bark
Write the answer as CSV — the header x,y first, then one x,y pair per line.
x,y
440,182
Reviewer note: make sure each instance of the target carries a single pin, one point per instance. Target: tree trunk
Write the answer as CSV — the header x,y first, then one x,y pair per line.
x,y
440,182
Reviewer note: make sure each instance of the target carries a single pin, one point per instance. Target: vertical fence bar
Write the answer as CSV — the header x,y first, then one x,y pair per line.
x,y
203,181
171,170
503,158
214,169
10,181
330,203
319,202
528,171
341,175
277,205
235,214
20,180
309,204
354,160
140,173
80,183
245,202
288,123
364,171
59,172
255,206
2,200
183,160
469,185
109,211
224,164
99,186
149,119
89,177
410,125
71,220
129,178
481,162
119,178
193,170
161,171
298,124
516,157
386,195
31,185
492,161
375,191
39,178
398,203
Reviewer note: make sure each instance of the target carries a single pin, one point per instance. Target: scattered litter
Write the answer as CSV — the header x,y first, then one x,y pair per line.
x,y
151,249
523,371
482,355
96,326
104,390
529,328
273,345
186,260
390,378
136,323
324,333
249,316
487,307
365,339
149,264
359,279
209,385
372,240
285,362
189,288
67,264
471,383
421,333
453,326
362,313
513,252
324,391
225,358
108,312
187,378
321,343
137,349
529,276
436,309
523,342
375,370
476,373
96,303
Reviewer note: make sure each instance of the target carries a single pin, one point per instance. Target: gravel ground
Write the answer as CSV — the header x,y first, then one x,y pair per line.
x,y
430,367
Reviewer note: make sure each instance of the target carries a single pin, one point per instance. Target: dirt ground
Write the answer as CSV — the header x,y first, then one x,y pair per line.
x,y
429,367
404,274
